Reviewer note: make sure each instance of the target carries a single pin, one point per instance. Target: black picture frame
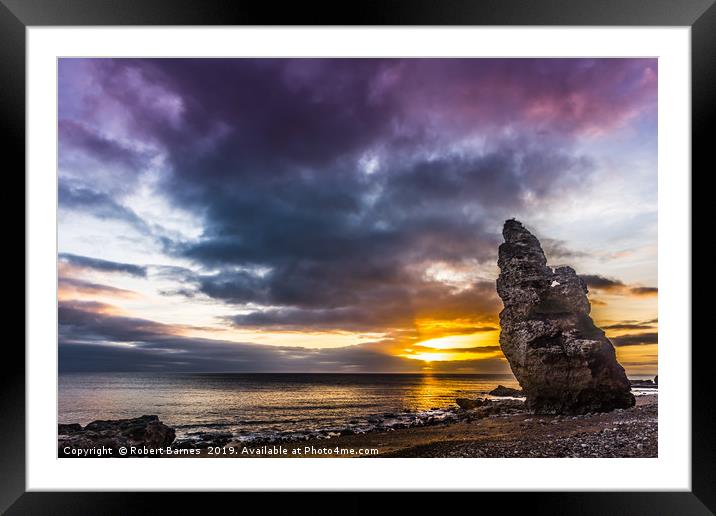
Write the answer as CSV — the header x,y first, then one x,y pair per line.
x,y
17,15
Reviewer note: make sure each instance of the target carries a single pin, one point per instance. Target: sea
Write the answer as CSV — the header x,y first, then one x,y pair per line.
x,y
270,407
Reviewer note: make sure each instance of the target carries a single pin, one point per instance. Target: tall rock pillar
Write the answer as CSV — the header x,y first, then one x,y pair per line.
x,y
564,363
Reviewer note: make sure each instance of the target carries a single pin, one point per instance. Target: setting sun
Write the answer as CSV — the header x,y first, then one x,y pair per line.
x,y
476,346
462,341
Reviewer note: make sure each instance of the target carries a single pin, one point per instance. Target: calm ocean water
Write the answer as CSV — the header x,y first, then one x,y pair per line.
x,y
258,405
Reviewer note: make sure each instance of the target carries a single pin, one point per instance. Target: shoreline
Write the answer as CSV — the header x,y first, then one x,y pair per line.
x,y
622,433
488,428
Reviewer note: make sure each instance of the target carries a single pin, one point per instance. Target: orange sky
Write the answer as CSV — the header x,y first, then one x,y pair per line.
x,y
447,338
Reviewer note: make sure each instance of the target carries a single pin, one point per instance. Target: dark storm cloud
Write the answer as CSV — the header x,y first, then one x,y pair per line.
x,y
601,283
88,321
557,250
86,262
399,307
500,178
635,339
644,291
326,187
616,286
629,326
333,239
349,318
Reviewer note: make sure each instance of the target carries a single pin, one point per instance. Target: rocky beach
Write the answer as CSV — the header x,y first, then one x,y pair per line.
x,y
622,433
494,428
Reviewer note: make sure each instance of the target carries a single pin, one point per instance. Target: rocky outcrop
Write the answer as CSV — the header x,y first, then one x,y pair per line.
x,y
648,384
468,404
482,407
502,391
144,431
499,407
564,363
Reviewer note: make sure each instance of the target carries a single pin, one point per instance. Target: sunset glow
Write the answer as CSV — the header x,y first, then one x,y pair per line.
x,y
462,341
344,215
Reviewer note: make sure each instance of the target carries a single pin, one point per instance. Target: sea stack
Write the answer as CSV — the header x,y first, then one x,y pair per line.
x,y
564,363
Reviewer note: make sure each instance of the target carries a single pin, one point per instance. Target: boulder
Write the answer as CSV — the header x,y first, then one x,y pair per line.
x,y
144,431
468,404
71,428
501,407
563,362
643,383
501,390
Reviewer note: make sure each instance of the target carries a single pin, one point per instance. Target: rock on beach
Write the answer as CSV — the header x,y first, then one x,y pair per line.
x,y
502,391
563,361
144,431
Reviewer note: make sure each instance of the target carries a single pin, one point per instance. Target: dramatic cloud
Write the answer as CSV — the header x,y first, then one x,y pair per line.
x,y
637,339
90,144
557,250
615,286
360,196
644,291
99,204
629,326
86,262
77,286
90,339
601,283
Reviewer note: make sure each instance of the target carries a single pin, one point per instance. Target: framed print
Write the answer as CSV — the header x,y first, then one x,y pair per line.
x,y
420,249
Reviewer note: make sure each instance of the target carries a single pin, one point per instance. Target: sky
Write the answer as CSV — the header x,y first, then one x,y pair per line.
x,y
344,215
